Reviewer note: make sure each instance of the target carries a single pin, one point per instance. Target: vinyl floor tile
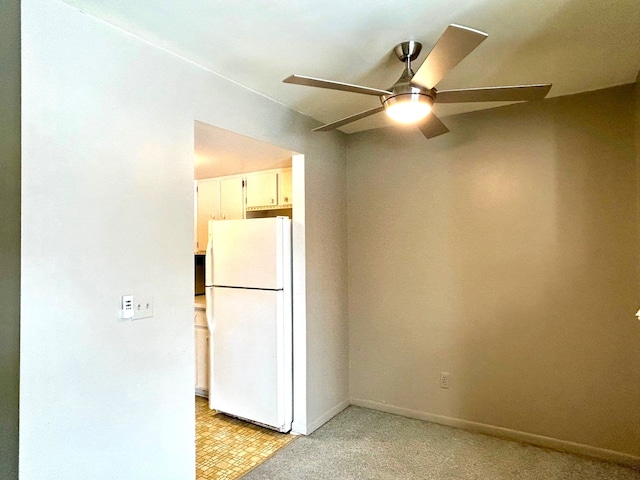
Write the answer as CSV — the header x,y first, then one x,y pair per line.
x,y
227,448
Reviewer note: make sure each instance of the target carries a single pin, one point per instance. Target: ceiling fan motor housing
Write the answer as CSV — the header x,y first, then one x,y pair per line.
x,y
408,93
403,90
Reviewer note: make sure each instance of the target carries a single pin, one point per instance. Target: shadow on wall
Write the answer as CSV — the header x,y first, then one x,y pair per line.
x,y
10,230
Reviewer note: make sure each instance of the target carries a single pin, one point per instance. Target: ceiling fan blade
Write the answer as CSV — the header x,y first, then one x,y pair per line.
x,y
451,48
352,118
432,126
330,84
517,93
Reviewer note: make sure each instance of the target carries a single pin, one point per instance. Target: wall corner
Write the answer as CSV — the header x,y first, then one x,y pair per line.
x,y
10,139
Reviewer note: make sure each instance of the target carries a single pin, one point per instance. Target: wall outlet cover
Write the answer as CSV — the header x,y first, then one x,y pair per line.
x,y
444,379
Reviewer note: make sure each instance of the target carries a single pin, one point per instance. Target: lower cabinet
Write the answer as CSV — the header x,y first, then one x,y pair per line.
x,y
202,354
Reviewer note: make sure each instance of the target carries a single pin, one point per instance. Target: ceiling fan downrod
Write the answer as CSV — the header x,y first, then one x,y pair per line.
x,y
414,99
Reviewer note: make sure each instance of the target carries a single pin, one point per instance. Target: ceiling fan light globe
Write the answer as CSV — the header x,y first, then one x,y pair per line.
x,y
408,108
408,112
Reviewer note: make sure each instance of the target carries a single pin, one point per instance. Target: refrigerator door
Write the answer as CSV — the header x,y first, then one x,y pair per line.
x,y
251,359
250,253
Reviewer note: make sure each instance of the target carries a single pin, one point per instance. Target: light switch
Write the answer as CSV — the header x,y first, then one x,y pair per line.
x,y
126,307
142,306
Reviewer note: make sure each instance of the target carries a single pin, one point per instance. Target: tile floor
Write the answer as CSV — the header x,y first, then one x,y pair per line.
x,y
227,448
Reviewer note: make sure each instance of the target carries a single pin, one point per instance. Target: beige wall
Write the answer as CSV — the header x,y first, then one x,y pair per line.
x,y
9,235
504,253
637,131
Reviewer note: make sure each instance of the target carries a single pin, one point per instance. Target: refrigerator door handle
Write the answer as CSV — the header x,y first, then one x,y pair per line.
x,y
209,308
208,259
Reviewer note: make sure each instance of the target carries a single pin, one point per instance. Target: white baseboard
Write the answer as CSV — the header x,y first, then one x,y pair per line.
x,y
298,428
321,420
531,438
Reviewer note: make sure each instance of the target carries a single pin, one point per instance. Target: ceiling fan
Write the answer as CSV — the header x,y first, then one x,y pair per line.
x,y
410,99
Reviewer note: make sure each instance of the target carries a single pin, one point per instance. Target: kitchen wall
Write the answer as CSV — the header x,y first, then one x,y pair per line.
x,y
9,235
108,140
504,253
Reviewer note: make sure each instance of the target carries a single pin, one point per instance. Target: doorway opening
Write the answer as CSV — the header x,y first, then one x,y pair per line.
x,y
241,178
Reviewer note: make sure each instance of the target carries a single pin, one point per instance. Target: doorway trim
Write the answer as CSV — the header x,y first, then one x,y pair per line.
x,y
298,247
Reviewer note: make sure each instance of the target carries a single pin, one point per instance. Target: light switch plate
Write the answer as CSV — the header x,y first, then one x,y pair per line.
x,y
142,306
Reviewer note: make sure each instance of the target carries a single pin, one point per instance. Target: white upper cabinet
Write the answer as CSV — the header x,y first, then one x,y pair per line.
x,y
208,197
231,198
262,190
269,190
284,188
217,199
228,198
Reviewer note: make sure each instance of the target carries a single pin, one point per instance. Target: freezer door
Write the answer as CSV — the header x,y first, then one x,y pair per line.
x,y
251,253
251,359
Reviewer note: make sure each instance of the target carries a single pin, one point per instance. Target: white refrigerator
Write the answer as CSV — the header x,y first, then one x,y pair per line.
x,y
249,314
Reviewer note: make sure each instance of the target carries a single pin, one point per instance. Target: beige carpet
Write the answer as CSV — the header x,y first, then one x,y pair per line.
x,y
365,444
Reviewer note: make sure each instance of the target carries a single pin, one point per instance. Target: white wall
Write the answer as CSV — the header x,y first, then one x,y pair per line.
x,y
326,221
504,253
9,235
107,210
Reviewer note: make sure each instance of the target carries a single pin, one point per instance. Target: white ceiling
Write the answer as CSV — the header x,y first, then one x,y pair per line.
x,y
578,45
220,152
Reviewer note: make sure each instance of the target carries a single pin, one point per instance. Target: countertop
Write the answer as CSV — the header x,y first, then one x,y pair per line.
x,y
199,302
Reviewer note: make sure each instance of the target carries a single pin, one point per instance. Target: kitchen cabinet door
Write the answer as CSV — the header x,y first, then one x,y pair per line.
x,y
262,190
202,359
208,198
231,198
284,188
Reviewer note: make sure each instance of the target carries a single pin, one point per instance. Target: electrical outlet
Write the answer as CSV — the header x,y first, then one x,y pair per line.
x,y
444,379
142,306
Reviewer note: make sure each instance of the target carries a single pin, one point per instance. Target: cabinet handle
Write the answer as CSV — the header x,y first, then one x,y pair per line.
x,y
224,217
272,201
286,199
